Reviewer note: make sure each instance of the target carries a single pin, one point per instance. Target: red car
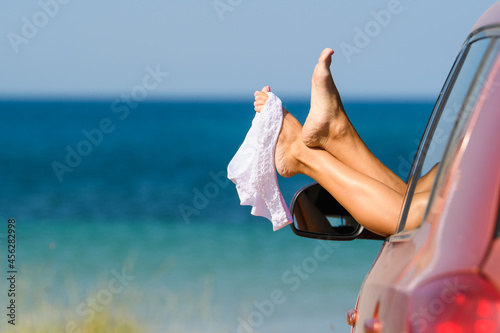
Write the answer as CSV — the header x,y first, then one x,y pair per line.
x,y
444,276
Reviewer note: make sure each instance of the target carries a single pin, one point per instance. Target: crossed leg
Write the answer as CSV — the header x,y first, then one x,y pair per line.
x,y
328,127
372,203
329,150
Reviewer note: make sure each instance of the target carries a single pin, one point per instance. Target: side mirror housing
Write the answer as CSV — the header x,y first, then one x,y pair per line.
x,y
317,214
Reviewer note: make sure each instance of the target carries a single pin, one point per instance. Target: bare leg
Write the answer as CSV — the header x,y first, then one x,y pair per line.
x,y
425,182
328,127
372,203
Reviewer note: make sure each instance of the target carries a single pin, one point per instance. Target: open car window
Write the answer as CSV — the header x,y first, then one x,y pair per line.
x,y
446,128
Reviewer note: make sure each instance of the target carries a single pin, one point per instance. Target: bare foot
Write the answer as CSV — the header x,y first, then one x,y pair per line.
x,y
326,119
289,146
289,142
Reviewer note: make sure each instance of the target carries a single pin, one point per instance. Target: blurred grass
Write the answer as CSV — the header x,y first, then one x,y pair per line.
x,y
48,303
103,322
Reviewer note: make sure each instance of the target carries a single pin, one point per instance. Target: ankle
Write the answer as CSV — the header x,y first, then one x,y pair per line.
x,y
296,154
341,129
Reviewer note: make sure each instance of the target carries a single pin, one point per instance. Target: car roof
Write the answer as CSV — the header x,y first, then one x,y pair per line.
x,y
489,17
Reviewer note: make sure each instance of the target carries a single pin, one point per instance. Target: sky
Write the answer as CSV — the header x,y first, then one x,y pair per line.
x,y
172,49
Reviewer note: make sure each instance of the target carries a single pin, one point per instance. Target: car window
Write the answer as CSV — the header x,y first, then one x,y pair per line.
x,y
453,105
446,127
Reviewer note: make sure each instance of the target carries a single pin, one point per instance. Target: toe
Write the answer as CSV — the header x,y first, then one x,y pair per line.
x,y
261,96
260,99
326,56
258,106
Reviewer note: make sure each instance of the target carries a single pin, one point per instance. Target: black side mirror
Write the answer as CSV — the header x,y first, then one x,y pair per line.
x,y
316,214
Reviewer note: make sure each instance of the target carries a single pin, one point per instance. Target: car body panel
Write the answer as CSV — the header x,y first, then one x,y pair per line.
x,y
490,17
378,286
491,267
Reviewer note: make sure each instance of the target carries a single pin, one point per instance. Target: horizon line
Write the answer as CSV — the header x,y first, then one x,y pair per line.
x,y
200,98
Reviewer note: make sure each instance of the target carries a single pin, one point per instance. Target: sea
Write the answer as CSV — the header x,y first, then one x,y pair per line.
x,y
124,220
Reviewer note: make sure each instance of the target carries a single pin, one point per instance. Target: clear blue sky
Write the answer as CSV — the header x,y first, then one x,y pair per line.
x,y
102,48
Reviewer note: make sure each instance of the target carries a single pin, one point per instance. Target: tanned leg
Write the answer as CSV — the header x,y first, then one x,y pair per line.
x,y
372,203
328,127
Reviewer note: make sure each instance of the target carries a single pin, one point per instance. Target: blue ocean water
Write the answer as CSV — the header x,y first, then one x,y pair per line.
x,y
97,191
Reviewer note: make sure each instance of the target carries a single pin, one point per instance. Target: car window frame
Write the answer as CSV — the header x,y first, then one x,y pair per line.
x,y
418,162
425,142
497,231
